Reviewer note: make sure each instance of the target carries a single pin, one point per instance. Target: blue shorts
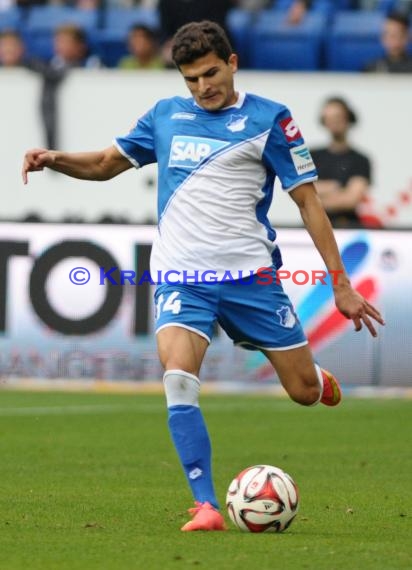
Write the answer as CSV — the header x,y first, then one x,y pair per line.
x,y
254,315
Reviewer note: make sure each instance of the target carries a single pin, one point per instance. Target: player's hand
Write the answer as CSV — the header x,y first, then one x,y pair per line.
x,y
353,306
35,160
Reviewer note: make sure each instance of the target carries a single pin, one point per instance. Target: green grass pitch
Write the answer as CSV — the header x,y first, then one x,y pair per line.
x,y
91,481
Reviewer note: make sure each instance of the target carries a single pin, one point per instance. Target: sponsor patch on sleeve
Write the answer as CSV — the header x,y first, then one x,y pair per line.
x,y
302,159
290,129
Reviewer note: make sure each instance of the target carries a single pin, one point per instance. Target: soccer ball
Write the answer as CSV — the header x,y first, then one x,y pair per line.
x,y
262,498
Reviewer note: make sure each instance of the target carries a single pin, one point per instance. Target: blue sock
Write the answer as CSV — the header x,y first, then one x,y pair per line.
x,y
191,439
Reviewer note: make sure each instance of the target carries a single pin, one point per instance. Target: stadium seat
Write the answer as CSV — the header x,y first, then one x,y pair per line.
x,y
386,5
41,21
39,44
354,40
325,6
109,45
41,18
10,19
110,42
121,19
277,45
238,23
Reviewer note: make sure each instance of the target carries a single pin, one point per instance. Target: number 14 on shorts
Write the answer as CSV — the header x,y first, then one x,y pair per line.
x,y
172,303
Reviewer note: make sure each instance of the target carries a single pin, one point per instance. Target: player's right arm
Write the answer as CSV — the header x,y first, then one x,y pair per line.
x,y
98,165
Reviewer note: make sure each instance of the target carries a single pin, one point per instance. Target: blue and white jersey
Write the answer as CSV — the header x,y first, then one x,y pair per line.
x,y
216,175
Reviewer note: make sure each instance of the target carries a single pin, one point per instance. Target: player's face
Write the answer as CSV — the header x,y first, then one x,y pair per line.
x,y
210,81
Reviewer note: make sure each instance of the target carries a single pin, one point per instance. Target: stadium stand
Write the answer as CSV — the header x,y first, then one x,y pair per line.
x,y
354,40
333,36
327,7
110,41
121,19
49,17
10,19
239,23
41,21
109,45
277,45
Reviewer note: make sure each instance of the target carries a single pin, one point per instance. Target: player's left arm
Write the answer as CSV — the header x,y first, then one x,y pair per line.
x,y
349,302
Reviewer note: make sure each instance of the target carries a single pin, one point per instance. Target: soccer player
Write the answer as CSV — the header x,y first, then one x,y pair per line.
x,y
218,153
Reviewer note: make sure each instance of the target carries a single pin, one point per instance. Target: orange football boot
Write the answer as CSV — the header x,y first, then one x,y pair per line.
x,y
205,517
331,395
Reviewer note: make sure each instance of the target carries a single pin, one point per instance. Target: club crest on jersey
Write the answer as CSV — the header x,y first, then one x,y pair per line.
x,y
302,159
236,123
286,317
189,152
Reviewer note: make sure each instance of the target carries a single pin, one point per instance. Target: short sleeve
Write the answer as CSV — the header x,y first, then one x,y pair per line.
x,y
286,153
139,145
365,168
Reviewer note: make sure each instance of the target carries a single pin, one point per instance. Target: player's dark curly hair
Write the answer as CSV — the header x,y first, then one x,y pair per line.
x,y
197,39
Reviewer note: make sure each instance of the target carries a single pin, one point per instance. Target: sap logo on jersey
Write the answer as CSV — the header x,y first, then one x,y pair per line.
x,y
189,152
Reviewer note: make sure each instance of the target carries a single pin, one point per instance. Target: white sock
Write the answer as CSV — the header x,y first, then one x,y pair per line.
x,y
320,378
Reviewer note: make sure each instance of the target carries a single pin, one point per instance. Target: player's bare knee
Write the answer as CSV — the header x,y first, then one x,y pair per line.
x,y
311,396
306,395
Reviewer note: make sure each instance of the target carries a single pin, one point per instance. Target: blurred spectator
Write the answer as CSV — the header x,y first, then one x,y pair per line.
x,y
70,51
12,50
297,11
32,218
344,173
395,39
144,50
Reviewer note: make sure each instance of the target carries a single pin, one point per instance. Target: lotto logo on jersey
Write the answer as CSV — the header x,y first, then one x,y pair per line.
x,y
189,152
290,128
302,159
